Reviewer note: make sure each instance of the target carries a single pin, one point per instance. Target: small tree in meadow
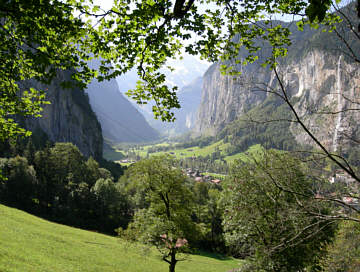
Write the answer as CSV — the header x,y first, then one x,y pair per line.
x,y
166,223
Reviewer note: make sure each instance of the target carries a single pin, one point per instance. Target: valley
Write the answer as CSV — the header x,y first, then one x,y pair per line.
x,y
165,136
217,152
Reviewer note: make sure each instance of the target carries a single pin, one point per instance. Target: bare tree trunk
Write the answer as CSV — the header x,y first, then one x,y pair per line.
x,y
173,261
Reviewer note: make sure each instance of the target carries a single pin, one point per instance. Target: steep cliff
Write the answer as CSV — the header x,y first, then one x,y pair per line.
x,y
225,98
322,83
69,117
120,120
327,88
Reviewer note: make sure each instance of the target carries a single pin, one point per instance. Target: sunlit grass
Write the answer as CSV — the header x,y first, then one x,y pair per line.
x,y
188,152
28,243
245,156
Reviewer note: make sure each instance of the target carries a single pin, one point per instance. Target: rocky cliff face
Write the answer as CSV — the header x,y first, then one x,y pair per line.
x,y
225,98
69,117
327,89
322,83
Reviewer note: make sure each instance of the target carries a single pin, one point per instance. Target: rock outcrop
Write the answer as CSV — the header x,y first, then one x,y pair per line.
x,y
327,88
69,117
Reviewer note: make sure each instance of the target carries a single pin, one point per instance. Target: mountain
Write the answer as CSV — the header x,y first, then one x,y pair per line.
x,y
120,120
189,97
320,80
186,70
69,117
187,77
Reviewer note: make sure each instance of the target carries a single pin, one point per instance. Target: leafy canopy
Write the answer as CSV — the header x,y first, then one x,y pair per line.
x,y
38,38
271,213
166,221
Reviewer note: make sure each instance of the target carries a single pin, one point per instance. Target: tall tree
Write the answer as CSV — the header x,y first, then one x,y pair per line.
x,y
271,214
166,223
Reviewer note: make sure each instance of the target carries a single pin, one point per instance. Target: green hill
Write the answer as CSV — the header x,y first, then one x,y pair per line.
x,y
28,243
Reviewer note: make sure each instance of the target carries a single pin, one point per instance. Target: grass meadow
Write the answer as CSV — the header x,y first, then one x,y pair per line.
x,y
31,244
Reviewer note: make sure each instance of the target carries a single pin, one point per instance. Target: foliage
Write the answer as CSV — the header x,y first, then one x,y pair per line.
x,y
166,222
268,214
59,184
38,38
21,181
344,253
208,215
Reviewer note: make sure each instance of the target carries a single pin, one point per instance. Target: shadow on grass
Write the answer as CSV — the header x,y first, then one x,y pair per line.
x,y
216,256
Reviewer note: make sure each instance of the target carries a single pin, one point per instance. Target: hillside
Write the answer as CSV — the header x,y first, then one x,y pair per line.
x,y
29,243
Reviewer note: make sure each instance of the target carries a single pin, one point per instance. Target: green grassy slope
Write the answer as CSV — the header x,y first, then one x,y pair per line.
x,y
28,243
196,151
244,156
207,150
193,151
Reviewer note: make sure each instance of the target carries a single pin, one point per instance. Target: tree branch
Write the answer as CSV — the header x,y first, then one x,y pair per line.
x,y
331,156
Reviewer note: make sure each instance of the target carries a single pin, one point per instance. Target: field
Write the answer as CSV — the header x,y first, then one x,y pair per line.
x,y
200,151
192,151
244,156
31,244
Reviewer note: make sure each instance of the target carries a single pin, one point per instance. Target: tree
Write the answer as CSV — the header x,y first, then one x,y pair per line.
x,y
270,214
19,189
93,170
29,152
40,37
208,216
61,169
344,253
112,206
66,159
166,223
